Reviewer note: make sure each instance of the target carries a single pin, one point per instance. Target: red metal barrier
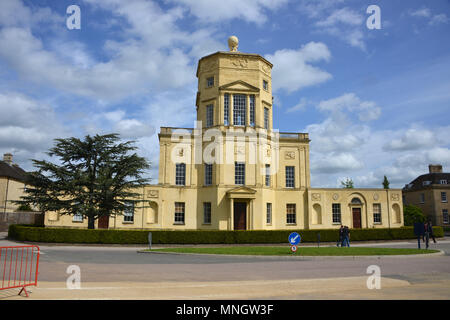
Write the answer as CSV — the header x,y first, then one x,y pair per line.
x,y
19,267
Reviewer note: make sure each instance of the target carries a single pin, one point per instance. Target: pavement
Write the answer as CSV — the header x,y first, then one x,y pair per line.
x,y
121,273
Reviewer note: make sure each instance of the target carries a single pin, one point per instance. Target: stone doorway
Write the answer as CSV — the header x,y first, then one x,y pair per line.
x,y
240,215
356,218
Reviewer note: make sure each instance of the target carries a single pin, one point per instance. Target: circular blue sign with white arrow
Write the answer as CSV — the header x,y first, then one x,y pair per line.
x,y
294,238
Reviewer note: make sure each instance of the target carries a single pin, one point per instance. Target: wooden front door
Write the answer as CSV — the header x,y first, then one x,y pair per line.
x,y
356,217
240,216
103,222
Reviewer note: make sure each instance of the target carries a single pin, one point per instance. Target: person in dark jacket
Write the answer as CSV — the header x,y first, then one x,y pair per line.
x,y
345,237
427,234
430,226
419,231
341,229
430,231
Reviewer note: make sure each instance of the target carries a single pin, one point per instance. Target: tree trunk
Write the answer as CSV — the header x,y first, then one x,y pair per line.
x,y
91,222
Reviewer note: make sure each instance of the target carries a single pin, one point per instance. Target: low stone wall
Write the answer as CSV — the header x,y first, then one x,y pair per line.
x,y
23,217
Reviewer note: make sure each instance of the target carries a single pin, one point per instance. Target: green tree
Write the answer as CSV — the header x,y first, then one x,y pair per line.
x,y
385,183
347,184
412,214
94,177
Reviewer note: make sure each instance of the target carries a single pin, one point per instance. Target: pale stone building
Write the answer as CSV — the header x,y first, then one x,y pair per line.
x,y
12,184
233,171
430,192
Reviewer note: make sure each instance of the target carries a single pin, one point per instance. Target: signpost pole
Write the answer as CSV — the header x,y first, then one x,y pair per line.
x,y
150,240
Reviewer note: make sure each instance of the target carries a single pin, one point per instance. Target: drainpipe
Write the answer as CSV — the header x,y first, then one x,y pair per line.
x,y
6,195
143,198
389,209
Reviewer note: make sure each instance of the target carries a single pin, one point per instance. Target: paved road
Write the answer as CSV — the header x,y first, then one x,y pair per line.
x,y
167,276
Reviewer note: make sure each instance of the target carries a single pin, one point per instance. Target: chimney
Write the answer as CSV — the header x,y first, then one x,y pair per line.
x,y
8,158
435,168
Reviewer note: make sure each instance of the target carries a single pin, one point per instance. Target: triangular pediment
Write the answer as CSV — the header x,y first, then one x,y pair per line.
x,y
239,86
242,190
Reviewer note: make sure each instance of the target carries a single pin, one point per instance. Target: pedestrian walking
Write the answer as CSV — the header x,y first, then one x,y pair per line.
x,y
430,225
419,231
427,234
341,229
347,236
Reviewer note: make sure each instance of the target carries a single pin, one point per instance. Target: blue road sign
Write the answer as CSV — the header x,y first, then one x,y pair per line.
x,y
294,238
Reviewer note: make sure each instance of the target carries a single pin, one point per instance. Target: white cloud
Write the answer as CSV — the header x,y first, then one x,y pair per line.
x,y
423,12
336,133
344,16
154,55
29,128
316,9
150,62
14,14
292,69
433,19
340,22
300,106
215,11
401,165
438,19
343,143
117,121
137,68
366,110
412,139
336,163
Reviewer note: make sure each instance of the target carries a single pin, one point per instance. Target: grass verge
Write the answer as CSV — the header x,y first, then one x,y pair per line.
x,y
306,251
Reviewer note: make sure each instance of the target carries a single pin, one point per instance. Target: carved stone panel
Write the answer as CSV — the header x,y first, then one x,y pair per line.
x,y
315,196
153,193
289,155
395,197
239,150
266,69
240,62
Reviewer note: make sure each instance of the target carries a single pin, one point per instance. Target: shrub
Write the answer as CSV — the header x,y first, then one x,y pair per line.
x,y
413,214
24,207
61,235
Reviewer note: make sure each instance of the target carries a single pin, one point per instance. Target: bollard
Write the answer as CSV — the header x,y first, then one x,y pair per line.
x,y
150,240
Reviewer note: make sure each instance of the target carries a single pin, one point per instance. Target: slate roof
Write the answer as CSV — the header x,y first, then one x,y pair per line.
x,y
12,171
433,178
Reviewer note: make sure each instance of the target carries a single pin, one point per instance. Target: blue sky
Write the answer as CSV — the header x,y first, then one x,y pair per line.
x,y
375,102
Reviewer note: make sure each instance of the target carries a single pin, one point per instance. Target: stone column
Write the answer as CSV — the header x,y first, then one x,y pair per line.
x,y
231,218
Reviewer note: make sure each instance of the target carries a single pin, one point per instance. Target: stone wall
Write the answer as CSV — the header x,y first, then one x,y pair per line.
x,y
8,218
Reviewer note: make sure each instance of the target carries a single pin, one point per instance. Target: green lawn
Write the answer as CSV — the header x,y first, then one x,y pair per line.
x,y
305,251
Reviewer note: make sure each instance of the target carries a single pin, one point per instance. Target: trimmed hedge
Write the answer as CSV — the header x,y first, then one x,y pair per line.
x,y
60,235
